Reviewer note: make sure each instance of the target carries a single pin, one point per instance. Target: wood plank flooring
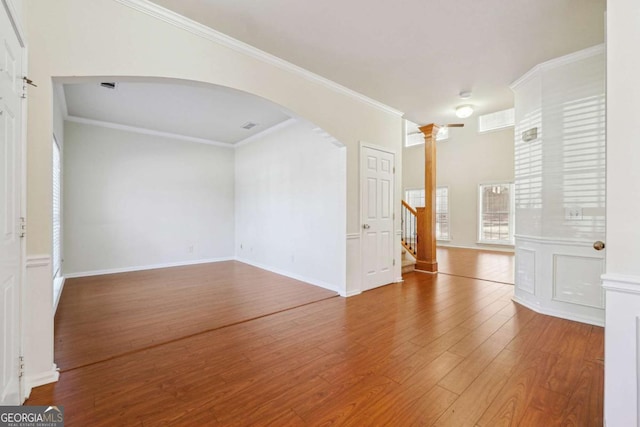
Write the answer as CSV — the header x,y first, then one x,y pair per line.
x,y
435,350
101,317
478,264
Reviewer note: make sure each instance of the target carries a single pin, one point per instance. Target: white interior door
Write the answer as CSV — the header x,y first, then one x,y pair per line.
x,y
377,201
10,207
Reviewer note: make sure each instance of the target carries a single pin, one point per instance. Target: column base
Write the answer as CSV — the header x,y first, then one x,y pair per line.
x,y
428,266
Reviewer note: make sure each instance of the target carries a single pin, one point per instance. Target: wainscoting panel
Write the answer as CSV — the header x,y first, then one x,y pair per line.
x,y
576,280
526,270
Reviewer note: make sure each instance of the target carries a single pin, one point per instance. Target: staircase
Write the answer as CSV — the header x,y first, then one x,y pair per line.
x,y
409,237
408,262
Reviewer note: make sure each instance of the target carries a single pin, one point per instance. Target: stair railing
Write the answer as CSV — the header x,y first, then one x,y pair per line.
x,y
409,228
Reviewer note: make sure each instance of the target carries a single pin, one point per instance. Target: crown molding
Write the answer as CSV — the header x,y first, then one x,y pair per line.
x,y
146,131
290,121
208,33
556,62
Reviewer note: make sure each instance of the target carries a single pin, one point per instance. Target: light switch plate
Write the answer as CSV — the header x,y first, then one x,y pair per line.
x,y
573,213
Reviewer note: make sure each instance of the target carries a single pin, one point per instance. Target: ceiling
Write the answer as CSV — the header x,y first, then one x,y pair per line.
x,y
413,55
207,112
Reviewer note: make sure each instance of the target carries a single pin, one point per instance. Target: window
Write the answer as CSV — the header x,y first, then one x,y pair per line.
x,y
442,213
416,137
496,213
498,120
415,198
57,211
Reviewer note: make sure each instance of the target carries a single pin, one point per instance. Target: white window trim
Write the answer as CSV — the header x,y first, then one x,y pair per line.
x,y
407,189
448,211
499,128
57,269
512,203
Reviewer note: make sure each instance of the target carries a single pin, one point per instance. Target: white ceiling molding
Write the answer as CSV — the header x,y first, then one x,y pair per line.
x,y
563,60
208,33
144,131
266,132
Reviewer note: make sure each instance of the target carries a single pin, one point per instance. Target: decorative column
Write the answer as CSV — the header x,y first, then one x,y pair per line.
x,y
427,235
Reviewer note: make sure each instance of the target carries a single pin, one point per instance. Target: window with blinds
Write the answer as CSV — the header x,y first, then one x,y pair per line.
x,y
415,199
582,169
560,149
496,121
496,213
57,211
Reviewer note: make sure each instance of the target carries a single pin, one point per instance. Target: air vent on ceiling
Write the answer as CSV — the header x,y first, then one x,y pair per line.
x,y
108,85
249,125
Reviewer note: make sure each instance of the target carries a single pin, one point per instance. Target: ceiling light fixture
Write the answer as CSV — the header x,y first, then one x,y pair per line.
x,y
464,111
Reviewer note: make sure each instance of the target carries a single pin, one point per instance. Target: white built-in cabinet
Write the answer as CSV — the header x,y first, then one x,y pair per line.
x,y
560,186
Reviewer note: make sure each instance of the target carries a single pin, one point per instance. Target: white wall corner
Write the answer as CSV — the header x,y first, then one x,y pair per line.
x,y
622,346
35,380
351,293
282,272
354,265
37,323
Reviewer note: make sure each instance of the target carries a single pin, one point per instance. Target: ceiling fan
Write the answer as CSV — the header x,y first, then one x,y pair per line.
x,y
450,125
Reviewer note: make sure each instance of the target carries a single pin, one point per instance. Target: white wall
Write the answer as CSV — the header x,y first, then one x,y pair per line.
x,y
134,200
466,159
290,205
622,277
115,38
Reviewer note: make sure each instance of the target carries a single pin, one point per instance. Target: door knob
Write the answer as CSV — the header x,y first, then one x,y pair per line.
x,y
598,246
366,226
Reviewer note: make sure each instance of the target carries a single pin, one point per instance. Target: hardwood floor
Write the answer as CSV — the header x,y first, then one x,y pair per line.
x,y
435,350
102,317
486,265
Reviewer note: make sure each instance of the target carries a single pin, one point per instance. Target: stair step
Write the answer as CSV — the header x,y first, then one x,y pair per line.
x,y
408,268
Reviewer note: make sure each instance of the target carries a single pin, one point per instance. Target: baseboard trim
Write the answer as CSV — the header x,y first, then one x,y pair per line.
x,y
291,275
351,294
425,271
559,313
145,267
399,280
488,248
35,380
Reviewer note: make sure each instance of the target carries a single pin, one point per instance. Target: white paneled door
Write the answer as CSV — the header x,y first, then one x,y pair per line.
x,y
377,203
10,208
